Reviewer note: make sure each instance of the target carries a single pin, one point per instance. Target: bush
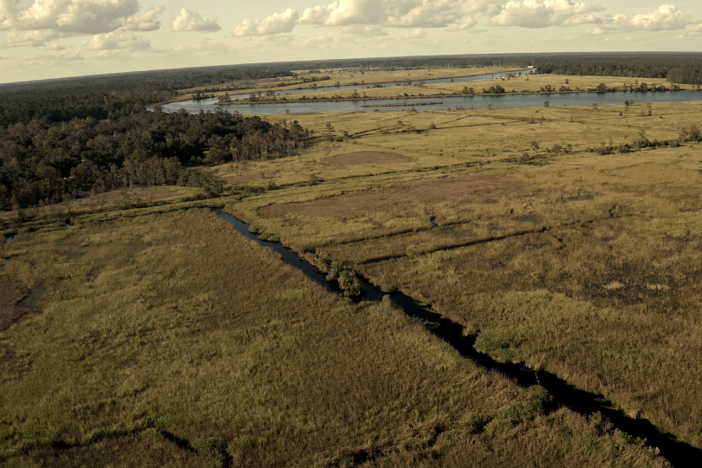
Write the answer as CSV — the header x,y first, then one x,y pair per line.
x,y
349,284
690,133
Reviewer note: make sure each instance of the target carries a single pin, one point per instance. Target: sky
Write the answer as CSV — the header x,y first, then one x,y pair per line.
x,y
42,39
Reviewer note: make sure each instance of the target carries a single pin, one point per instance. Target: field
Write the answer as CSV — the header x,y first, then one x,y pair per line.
x,y
138,328
170,339
567,239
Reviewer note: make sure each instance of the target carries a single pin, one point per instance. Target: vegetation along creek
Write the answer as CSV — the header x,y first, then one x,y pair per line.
x,y
586,403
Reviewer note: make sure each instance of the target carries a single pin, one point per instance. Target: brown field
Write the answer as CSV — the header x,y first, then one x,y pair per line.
x,y
366,157
111,200
170,339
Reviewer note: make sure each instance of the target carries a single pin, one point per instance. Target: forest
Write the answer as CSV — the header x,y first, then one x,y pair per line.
x,y
683,68
44,163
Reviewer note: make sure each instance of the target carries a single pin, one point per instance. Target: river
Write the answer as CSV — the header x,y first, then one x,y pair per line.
x,y
447,102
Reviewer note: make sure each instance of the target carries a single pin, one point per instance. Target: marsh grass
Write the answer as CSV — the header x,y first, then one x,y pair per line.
x,y
604,292
175,318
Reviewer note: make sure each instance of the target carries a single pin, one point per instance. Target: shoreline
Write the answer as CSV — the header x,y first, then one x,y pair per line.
x,y
430,96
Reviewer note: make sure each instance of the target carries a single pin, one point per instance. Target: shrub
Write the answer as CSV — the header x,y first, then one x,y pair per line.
x,y
349,284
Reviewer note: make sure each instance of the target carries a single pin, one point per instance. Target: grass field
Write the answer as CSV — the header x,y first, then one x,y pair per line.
x,y
169,339
521,84
565,238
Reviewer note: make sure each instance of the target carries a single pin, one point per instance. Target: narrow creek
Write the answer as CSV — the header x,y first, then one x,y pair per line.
x,y
678,453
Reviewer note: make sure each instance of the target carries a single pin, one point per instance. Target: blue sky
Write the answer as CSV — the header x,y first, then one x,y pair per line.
x,y
42,39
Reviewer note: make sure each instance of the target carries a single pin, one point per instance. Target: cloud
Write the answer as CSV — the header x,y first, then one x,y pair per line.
x,y
44,20
418,33
117,40
67,16
666,17
544,13
395,13
277,23
54,47
346,12
467,23
29,38
190,20
149,21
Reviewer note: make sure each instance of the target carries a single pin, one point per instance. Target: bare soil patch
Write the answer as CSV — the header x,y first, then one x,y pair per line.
x,y
367,157
469,188
16,303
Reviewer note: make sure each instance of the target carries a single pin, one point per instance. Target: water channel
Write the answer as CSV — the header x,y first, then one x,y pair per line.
x,y
678,453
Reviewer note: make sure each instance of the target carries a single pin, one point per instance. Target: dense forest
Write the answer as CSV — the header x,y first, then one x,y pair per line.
x,y
46,162
62,139
682,68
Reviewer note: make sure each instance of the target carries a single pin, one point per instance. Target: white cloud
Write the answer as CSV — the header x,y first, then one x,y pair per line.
x,y
117,40
29,38
395,13
190,20
68,16
149,21
277,23
346,12
425,13
418,33
44,20
467,23
666,17
544,13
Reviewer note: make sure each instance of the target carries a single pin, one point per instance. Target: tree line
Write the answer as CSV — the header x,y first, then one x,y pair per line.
x,y
43,162
682,68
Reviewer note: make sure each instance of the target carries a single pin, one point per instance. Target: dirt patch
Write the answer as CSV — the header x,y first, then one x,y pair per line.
x,y
17,302
367,157
7,354
472,188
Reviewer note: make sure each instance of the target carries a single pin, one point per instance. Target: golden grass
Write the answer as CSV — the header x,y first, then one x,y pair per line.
x,y
173,322
112,200
522,84
601,286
